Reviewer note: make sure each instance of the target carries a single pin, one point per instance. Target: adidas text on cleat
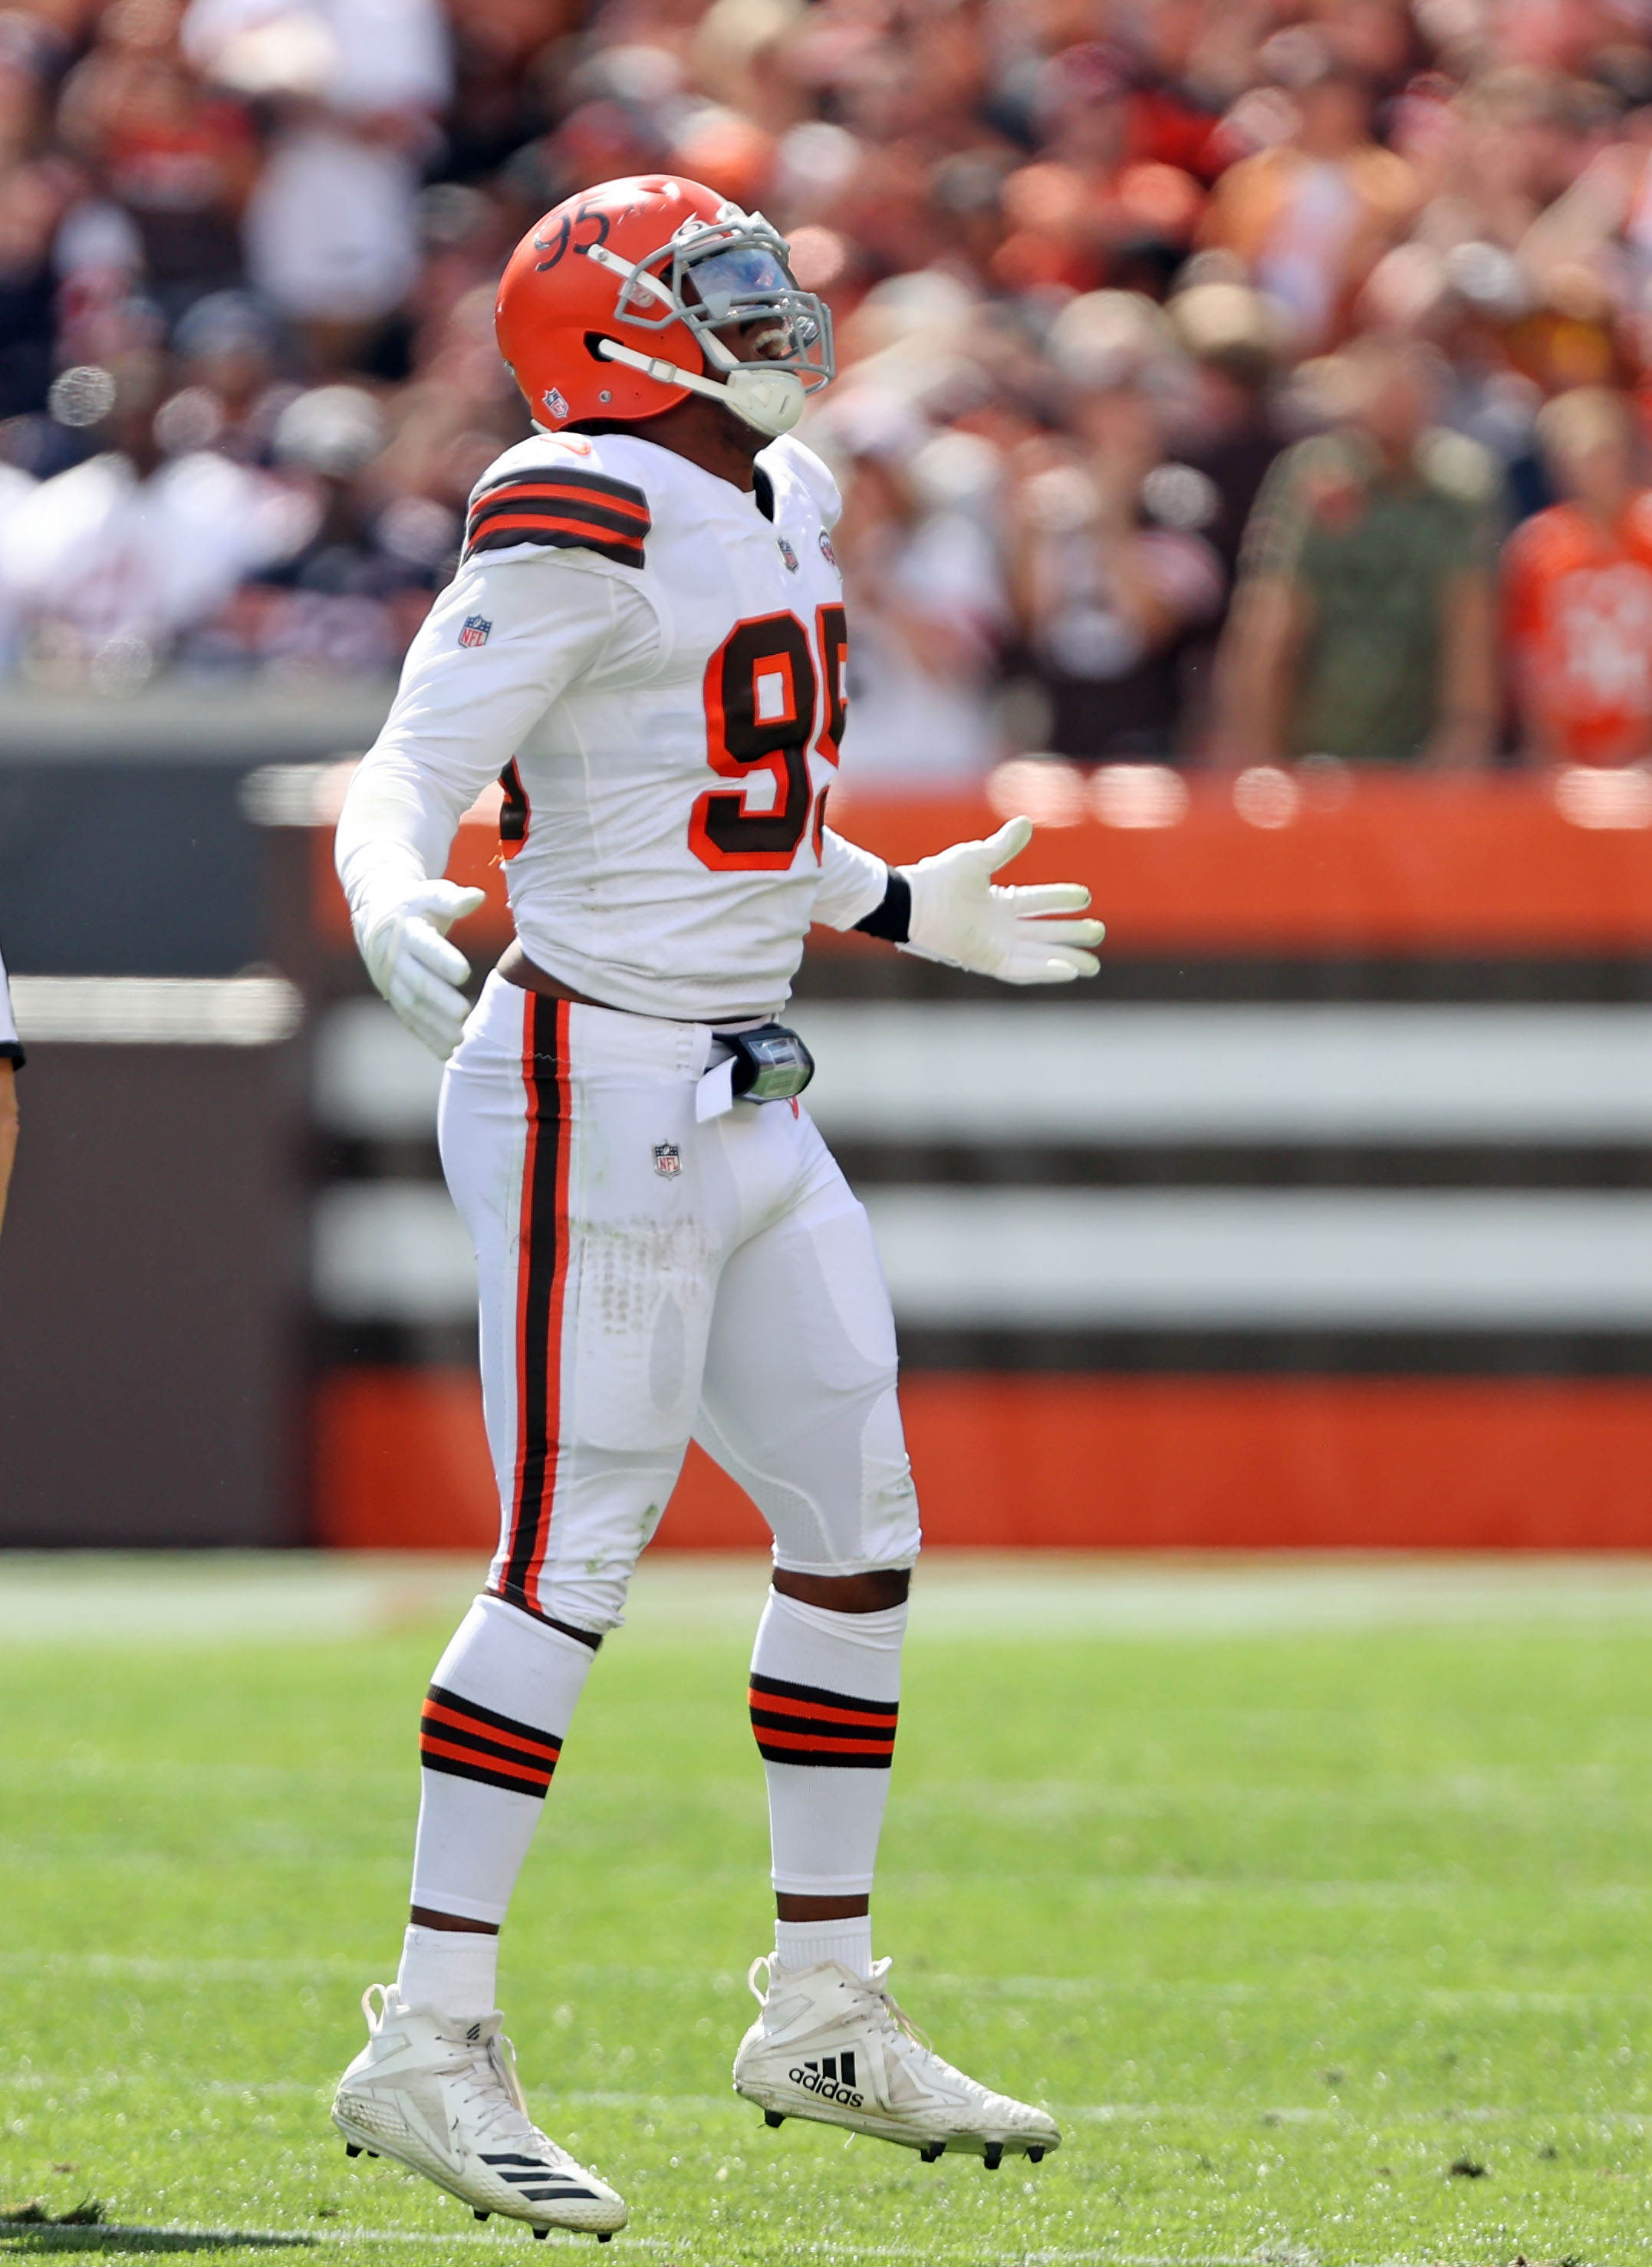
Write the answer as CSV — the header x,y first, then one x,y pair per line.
x,y
442,2097
830,2046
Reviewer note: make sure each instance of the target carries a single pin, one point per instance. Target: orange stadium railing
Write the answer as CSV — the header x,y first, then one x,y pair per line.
x,y
1316,864
1380,863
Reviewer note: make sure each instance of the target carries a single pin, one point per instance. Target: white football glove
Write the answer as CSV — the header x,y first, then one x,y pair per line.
x,y
404,943
960,915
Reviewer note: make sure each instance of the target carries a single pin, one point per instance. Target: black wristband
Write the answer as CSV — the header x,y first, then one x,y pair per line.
x,y
892,918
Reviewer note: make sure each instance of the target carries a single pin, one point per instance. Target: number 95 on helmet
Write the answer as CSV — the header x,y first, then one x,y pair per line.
x,y
631,296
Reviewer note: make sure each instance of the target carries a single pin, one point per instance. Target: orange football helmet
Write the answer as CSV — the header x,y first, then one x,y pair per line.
x,y
612,307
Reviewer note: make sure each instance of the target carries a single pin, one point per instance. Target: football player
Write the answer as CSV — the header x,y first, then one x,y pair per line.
x,y
645,639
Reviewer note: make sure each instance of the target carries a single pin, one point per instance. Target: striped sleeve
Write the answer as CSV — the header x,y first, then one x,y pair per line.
x,y
562,508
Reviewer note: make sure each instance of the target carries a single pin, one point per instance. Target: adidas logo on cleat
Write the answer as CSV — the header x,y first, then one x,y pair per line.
x,y
832,2078
520,2170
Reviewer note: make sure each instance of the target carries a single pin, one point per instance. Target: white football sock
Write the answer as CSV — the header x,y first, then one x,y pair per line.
x,y
454,1970
825,1692
806,1943
500,1704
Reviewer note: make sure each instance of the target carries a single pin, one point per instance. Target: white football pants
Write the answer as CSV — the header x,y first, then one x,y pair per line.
x,y
644,1279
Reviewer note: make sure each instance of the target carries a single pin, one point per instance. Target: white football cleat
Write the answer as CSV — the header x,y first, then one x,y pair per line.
x,y
830,2046
442,2097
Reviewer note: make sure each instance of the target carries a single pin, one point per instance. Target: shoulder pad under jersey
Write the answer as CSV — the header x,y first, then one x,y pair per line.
x,y
551,493
788,458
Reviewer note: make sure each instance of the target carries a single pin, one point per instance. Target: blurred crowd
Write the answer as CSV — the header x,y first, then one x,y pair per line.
x,y
1222,380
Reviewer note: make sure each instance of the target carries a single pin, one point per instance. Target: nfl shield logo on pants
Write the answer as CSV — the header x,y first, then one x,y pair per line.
x,y
475,630
668,1160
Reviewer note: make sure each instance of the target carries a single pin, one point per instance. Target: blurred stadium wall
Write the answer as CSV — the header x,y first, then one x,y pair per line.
x,y
1324,1217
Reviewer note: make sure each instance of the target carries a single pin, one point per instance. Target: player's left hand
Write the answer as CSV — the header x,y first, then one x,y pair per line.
x,y
960,914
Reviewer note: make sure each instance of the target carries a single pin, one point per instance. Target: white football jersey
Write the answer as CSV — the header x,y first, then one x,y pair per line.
x,y
652,662
11,1046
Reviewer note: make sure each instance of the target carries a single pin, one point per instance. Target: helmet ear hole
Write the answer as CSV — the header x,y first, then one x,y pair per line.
x,y
594,341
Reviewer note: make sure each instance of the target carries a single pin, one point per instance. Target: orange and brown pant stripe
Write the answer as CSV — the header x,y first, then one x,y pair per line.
x,y
804,1724
541,1292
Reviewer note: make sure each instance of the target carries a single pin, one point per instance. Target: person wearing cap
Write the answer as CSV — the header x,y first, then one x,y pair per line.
x,y
1362,626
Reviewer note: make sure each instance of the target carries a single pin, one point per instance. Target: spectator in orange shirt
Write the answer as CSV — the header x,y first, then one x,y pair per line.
x,y
1577,591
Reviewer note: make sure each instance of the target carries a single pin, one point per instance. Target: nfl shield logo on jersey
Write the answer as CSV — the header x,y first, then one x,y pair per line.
x,y
787,552
475,630
668,1160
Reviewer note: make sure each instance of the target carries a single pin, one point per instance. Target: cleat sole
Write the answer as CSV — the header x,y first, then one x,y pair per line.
x,y
883,2128
580,2224
774,2119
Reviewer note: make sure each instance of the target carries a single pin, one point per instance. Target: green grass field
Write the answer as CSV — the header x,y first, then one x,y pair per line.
x,y
1327,1931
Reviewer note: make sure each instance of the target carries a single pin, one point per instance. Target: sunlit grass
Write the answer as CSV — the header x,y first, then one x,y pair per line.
x,y
1332,1948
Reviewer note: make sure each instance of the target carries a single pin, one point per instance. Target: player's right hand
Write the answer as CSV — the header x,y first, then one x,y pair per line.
x,y
406,948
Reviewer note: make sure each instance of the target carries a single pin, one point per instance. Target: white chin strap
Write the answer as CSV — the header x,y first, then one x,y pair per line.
x,y
770,400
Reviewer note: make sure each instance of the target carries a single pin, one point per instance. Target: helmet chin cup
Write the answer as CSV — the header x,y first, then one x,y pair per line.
x,y
772,401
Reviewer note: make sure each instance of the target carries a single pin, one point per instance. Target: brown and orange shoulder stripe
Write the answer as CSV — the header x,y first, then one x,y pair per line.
x,y
562,508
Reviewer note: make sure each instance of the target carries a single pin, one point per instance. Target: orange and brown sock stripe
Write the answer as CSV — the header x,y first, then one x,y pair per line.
x,y
467,1741
804,1724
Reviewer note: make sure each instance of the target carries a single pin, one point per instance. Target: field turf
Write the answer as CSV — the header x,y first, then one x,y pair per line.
x,y
1328,1934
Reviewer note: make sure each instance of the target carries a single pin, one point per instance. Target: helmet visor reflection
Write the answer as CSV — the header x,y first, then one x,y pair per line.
x,y
733,275
747,276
